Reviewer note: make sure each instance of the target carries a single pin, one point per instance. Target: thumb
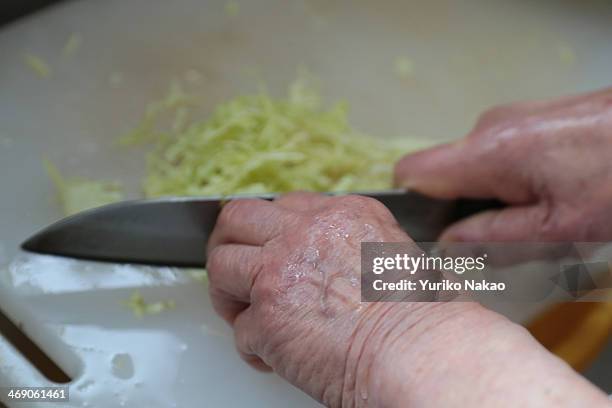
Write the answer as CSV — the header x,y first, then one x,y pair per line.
x,y
510,224
471,168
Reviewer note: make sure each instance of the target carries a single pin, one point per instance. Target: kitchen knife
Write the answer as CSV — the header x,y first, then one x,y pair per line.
x,y
174,231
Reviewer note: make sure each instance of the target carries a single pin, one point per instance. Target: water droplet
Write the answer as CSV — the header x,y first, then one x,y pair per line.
x,y
122,366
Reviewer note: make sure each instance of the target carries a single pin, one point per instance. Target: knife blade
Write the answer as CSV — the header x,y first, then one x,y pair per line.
x,y
174,231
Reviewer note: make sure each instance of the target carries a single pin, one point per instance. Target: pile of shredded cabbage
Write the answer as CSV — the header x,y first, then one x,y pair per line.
x,y
250,144
260,144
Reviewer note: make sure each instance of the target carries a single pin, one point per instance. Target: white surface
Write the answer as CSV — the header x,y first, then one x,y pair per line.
x,y
174,359
466,55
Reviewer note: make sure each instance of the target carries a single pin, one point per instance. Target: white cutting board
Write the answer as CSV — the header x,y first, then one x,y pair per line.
x,y
466,57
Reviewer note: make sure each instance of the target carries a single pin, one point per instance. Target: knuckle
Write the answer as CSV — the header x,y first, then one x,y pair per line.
x,y
366,204
292,198
358,201
267,292
230,211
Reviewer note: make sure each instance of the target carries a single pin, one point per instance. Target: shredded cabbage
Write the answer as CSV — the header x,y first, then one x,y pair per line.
x,y
38,65
250,144
77,195
73,45
259,144
175,102
140,307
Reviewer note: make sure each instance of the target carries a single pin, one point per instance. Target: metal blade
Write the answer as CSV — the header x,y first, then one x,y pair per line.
x,y
174,231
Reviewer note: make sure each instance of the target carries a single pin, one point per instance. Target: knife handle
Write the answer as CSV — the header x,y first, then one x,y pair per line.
x,y
467,207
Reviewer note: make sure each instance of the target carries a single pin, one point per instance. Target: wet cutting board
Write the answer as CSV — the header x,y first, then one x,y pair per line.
x,y
462,59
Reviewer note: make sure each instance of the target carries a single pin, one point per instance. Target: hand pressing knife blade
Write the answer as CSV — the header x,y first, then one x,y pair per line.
x,y
174,231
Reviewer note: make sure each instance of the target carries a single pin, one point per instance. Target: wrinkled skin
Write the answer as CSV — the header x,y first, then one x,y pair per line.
x,y
551,160
285,274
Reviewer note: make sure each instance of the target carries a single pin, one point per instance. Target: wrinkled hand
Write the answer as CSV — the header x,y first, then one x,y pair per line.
x,y
285,275
551,160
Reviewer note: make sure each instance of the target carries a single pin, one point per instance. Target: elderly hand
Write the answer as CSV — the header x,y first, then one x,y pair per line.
x,y
285,275
550,160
